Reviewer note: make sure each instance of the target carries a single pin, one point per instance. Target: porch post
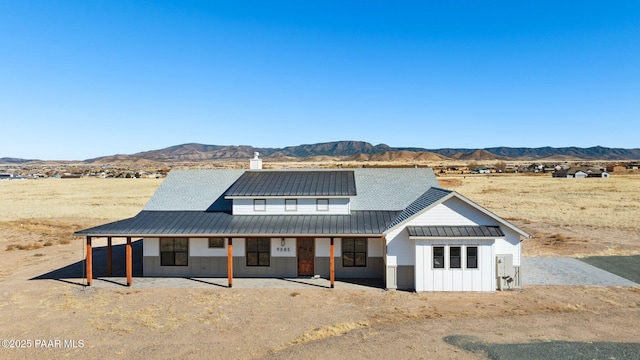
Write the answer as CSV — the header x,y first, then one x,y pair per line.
x,y
332,265
129,262
89,263
109,256
230,262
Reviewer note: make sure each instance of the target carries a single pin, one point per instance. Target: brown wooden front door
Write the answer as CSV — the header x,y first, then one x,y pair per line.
x,y
306,255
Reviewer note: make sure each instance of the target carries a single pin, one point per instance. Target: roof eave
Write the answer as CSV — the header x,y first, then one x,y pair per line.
x,y
229,235
455,238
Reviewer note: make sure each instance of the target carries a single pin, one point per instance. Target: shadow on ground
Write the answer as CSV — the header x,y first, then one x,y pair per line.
x,y
627,267
78,270
546,349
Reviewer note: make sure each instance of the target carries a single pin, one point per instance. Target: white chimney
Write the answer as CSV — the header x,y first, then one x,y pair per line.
x,y
255,163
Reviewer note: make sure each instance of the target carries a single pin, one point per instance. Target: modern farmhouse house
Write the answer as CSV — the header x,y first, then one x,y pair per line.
x,y
392,224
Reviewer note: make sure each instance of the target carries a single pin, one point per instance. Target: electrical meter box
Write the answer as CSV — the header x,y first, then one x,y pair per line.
x,y
505,271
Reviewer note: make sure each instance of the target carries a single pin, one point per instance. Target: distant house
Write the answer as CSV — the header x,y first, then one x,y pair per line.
x,y
580,173
396,225
633,166
481,170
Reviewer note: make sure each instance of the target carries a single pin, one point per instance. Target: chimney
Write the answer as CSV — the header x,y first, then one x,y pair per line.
x,y
255,163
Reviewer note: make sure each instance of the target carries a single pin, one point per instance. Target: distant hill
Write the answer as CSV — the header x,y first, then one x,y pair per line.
x,y
592,153
402,155
364,151
8,160
358,151
482,155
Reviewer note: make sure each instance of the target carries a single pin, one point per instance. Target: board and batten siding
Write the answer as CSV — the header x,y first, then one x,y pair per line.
x,y
305,206
429,279
401,252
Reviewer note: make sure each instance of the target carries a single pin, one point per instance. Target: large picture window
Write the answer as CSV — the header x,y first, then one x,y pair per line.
x,y
438,257
258,251
354,252
472,257
174,251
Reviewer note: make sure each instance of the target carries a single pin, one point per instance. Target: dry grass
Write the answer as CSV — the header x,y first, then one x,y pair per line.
x,y
600,203
103,199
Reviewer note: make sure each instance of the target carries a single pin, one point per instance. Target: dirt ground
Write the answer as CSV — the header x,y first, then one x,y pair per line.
x,y
281,323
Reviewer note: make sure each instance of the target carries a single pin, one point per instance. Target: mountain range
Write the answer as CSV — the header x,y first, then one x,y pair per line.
x,y
361,151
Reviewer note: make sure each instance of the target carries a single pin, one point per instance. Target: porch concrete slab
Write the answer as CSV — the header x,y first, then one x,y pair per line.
x,y
567,271
238,283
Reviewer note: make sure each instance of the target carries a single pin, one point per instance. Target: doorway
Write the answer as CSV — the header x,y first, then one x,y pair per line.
x,y
306,256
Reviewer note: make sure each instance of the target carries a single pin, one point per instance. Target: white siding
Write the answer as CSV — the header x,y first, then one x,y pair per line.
x,y
200,247
238,247
306,206
400,249
511,244
453,212
463,279
151,247
374,247
323,245
288,250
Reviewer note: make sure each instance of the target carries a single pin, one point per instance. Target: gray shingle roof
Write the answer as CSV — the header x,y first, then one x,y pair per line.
x,y
427,199
455,231
294,183
391,189
193,190
377,189
201,223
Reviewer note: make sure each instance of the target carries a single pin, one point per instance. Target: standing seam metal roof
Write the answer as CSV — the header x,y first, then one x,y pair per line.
x,y
430,197
220,223
294,183
455,231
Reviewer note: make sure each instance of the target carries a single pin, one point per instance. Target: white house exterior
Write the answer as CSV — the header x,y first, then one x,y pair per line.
x,y
396,225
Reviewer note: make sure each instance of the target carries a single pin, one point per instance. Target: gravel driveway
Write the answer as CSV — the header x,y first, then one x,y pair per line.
x,y
567,271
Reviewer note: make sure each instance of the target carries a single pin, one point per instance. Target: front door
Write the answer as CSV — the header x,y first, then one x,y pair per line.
x,y
305,257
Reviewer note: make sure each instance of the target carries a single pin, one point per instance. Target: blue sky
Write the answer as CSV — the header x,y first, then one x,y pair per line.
x,y
81,79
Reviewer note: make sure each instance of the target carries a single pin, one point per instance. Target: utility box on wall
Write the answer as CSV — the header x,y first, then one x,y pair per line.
x,y
505,272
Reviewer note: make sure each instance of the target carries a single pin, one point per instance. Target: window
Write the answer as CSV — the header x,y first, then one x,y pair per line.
x,y
354,252
174,251
472,257
438,257
258,251
454,257
216,243
259,205
322,204
290,205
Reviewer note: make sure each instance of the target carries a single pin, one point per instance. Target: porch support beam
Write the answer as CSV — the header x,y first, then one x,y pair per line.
x,y
332,265
109,256
89,262
129,262
230,262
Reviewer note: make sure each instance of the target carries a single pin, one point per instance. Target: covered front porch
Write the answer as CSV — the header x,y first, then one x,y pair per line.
x,y
315,267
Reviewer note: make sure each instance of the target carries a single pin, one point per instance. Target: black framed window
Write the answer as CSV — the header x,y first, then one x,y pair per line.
x,y
354,252
259,205
174,251
454,257
216,243
438,257
472,257
258,251
322,204
290,204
